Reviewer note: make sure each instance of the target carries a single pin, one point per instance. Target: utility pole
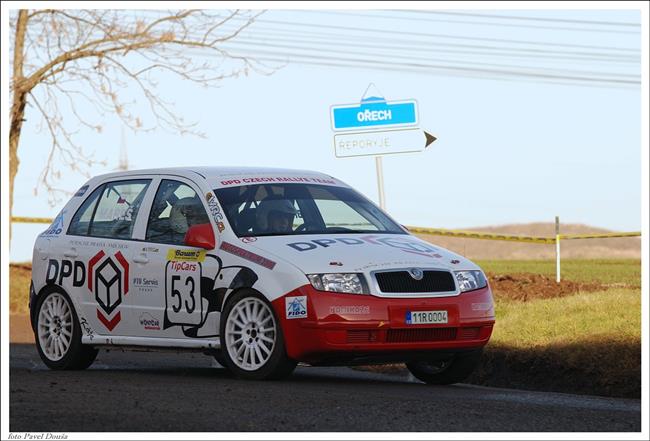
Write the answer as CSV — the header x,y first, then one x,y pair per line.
x,y
124,160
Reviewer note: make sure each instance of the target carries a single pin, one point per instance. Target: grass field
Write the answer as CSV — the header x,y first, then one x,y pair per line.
x,y
621,272
583,337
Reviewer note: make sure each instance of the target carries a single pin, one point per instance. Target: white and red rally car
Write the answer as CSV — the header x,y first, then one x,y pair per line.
x,y
262,268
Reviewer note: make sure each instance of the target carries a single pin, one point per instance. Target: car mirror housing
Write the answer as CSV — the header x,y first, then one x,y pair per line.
x,y
201,236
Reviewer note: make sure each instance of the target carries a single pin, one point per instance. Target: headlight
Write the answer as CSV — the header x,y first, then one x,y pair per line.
x,y
352,283
470,280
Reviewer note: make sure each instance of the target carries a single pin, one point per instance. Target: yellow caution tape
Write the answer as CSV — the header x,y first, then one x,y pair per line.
x,y
31,220
477,235
599,236
438,232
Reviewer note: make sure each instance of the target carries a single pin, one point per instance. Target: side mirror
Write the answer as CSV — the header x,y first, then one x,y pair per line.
x,y
202,236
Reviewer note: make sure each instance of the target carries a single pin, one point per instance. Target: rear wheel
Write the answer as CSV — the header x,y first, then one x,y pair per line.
x,y
251,339
58,334
447,371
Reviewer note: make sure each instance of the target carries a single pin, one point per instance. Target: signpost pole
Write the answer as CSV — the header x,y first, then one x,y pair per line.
x,y
557,249
380,182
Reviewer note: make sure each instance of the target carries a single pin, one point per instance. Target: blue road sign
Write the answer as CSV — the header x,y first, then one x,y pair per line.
x,y
374,112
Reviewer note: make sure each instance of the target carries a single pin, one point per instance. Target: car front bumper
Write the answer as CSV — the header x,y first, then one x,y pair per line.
x,y
352,328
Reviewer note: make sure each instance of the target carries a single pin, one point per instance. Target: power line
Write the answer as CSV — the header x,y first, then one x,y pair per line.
x,y
360,62
429,35
475,23
546,19
312,49
407,45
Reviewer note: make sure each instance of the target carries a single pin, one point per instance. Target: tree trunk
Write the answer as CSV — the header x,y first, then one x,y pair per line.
x,y
18,107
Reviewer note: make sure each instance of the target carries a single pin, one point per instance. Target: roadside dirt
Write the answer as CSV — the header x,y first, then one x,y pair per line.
x,y
528,286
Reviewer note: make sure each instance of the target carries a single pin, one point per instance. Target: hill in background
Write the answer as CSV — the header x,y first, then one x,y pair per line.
x,y
614,248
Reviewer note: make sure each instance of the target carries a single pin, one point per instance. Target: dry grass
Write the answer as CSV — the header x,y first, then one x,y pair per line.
x,y
20,276
611,248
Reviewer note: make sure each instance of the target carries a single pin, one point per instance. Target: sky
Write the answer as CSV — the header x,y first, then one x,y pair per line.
x,y
510,148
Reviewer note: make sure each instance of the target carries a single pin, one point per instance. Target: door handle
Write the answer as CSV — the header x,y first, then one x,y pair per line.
x,y
141,259
72,252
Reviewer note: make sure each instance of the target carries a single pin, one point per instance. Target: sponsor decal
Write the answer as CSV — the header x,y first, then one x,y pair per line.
x,y
481,306
57,226
183,266
186,255
150,250
183,302
143,284
281,179
248,255
336,263
248,239
296,307
455,261
81,191
405,244
107,279
350,309
215,210
148,322
86,327
99,244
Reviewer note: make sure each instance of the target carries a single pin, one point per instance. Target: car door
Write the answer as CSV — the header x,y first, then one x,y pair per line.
x,y
168,275
99,241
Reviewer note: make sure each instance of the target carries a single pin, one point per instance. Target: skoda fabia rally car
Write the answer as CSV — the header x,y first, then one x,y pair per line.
x,y
261,268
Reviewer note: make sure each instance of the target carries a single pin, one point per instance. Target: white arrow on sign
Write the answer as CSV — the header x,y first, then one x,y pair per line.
x,y
383,142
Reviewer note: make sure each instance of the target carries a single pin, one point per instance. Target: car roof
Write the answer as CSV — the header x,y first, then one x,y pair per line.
x,y
231,176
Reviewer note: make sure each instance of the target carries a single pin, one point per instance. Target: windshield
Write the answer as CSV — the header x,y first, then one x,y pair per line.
x,y
284,209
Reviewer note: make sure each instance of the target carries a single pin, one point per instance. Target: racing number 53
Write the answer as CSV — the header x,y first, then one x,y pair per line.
x,y
183,305
176,293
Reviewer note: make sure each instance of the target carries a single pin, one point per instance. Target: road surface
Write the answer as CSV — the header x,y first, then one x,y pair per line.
x,y
155,391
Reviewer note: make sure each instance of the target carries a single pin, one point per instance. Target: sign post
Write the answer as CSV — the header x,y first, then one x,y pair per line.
x,y
376,127
557,249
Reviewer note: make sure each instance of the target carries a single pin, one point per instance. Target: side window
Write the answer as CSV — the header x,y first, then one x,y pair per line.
x,y
175,209
81,220
110,211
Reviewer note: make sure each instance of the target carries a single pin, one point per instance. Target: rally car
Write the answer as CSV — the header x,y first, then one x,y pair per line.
x,y
261,268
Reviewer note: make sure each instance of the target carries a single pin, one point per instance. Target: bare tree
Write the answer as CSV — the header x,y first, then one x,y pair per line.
x,y
76,67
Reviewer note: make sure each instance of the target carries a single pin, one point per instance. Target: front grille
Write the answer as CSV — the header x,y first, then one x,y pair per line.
x,y
420,335
402,282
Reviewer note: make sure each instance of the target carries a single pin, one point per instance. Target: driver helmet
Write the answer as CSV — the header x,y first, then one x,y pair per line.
x,y
268,206
180,215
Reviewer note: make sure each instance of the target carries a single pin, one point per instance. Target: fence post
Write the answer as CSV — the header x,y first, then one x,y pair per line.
x,y
557,249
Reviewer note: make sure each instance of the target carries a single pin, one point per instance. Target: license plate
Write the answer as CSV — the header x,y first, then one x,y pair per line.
x,y
425,317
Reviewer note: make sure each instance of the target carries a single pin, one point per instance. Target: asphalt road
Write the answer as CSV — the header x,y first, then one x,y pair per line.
x,y
137,391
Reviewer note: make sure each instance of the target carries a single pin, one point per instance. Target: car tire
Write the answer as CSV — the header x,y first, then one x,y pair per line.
x,y
447,371
251,338
58,334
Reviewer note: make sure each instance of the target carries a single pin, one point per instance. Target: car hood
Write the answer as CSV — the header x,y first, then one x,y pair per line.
x,y
357,252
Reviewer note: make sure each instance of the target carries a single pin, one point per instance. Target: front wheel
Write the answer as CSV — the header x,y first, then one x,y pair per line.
x,y
58,334
251,339
447,371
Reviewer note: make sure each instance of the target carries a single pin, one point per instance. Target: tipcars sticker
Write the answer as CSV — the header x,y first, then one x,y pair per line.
x,y
296,307
183,305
